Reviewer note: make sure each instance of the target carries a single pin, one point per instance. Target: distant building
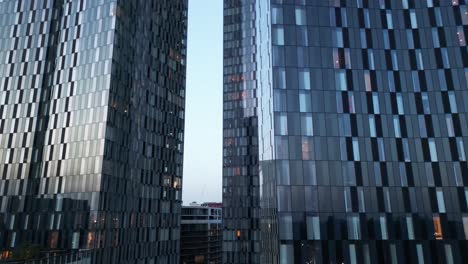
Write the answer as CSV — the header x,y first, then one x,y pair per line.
x,y
200,240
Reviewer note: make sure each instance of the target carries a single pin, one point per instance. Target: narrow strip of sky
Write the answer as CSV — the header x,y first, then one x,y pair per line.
x,y
203,127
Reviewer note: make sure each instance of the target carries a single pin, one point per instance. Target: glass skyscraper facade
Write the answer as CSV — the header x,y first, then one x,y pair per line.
x,y
363,125
92,98
241,236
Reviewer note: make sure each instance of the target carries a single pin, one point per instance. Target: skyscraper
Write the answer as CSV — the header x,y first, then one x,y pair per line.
x,y
362,130
92,97
241,237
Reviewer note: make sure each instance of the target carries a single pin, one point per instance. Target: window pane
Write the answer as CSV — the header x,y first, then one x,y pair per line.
x,y
433,150
340,81
440,201
304,80
437,228
465,226
410,228
278,36
300,16
354,230
313,228
276,15
285,227
304,102
373,132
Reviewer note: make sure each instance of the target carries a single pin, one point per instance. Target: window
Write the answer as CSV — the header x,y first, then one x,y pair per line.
x,y
307,148
394,60
281,123
285,227
433,150
337,60
278,36
442,81
414,21
362,202
419,59
445,58
440,201
461,149
367,80
391,81
302,37
276,15
307,127
278,56
420,253
464,14
449,122
389,19
396,125
435,38
383,227
281,147
415,77
279,78
354,230
453,103
410,39
373,132
370,58
363,38
438,17
404,3
409,227
356,149
465,226
448,247
301,16
313,228
388,203
347,200
352,253
461,36
286,253
338,38
425,102
457,174
310,173
437,228
304,80
430,3
406,152
375,102
279,100
284,199
340,80
304,102
386,39
366,18
352,108
380,145
401,110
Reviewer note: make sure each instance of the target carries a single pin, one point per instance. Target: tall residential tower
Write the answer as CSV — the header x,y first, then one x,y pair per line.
x,y
241,237
92,96
362,129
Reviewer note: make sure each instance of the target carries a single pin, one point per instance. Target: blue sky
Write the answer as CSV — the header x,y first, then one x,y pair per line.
x,y
203,117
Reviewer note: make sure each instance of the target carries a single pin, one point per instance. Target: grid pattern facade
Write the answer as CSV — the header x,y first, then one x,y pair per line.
x,y
363,117
91,127
240,135
201,234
